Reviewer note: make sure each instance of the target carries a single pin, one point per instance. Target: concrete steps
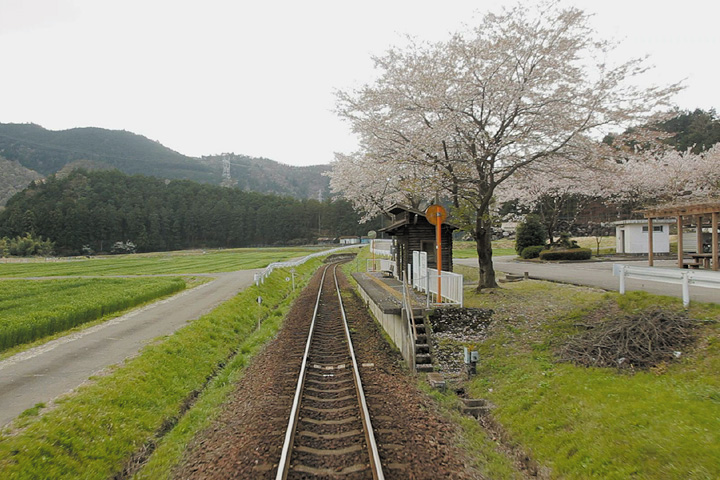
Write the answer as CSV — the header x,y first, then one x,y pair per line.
x,y
423,359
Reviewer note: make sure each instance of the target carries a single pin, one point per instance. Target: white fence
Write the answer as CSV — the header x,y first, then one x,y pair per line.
x,y
381,246
677,276
260,277
381,265
425,280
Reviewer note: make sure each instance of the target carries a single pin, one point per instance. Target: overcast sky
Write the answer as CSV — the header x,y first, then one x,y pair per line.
x,y
257,77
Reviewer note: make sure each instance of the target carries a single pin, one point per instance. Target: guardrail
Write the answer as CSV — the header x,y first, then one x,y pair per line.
x,y
260,277
676,276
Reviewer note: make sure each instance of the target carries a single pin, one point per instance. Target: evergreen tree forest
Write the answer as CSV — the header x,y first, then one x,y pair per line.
x,y
93,210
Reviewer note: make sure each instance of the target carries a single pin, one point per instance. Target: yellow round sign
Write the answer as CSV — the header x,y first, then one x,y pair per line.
x,y
436,214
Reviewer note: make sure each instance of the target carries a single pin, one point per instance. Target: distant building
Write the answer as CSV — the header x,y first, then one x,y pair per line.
x,y
349,240
631,236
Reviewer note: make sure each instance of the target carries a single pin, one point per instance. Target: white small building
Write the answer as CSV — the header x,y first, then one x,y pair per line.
x,y
631,236
349,240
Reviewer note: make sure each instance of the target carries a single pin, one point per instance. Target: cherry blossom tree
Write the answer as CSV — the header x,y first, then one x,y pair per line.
x,y
668,177
373,190
555,194
527,86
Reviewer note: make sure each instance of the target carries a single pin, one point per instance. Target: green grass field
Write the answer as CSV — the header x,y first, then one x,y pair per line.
x,y
593,423
93,433
33,309
185,262
507,247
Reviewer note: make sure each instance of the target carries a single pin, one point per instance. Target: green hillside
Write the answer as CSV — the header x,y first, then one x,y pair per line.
x,y
47,151
267,176
41,152
13,178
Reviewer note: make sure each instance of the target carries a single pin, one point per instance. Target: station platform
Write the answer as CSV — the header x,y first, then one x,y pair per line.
x,y
386,293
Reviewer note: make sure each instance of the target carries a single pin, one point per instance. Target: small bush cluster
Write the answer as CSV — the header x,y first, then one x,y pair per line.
x,y
569,254
26,246
529,233
532,251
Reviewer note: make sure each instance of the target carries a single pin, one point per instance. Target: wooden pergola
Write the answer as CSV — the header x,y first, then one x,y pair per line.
x,y
701,215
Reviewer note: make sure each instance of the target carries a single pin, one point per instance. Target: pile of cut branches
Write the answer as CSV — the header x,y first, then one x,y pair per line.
x,y
641,340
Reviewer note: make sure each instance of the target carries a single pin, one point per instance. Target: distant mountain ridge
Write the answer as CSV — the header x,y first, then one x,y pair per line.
x,y
46,152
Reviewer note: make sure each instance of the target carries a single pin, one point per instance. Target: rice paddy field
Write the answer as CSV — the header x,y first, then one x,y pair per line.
x,y
33,309
182,262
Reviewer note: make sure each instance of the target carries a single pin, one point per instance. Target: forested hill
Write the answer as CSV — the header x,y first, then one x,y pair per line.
x,y
97,209
13,178
267,176
47,152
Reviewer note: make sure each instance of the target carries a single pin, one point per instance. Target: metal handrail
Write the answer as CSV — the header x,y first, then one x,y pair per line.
x,y
412,330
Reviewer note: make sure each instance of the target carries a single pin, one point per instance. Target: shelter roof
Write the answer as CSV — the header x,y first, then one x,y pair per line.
x,y
675,210
659,221
403,215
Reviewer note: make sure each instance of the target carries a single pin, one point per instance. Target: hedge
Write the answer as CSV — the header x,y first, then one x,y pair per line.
x,y
570,254
532,251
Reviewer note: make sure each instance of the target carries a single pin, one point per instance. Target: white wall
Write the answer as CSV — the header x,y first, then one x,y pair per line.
x,y
636,241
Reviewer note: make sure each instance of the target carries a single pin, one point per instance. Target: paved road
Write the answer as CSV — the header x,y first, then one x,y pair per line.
x,y
57,367
596,274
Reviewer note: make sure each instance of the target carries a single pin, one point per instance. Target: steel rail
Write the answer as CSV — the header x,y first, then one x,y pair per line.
x,y
375,465
284,463
294,412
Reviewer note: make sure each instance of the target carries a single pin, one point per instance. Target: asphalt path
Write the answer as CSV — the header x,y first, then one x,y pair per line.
x,y
43,373
596,274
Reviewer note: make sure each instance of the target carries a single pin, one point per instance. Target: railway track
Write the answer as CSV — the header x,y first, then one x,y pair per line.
x,y
329,432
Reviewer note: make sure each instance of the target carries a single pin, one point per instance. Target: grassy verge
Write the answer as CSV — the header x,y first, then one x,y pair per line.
x,y
35,309
94,432
210,261
469,249
583,423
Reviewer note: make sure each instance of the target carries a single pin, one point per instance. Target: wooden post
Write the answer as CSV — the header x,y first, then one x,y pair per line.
x,y
699,234
715,241
680,241
650,242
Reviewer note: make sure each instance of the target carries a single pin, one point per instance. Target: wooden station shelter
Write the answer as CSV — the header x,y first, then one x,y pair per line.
x,y
411,231
701,216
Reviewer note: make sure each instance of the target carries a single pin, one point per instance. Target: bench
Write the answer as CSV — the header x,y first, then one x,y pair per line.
x,y
694,265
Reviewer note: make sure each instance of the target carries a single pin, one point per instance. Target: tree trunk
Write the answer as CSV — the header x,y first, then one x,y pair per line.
x,y
483,240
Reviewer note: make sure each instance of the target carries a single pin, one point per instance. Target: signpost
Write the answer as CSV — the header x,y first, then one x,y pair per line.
x,y
372,235
436,215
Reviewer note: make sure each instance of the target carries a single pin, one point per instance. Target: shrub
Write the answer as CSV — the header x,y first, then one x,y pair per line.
x,y
529,233
532,251
566,242
26,246
571,254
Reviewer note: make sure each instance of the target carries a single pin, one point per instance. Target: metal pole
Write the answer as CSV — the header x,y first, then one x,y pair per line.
x,y
622,279
686,289
438,240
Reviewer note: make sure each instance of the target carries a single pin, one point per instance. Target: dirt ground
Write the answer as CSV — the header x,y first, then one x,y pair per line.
x,y
414,440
